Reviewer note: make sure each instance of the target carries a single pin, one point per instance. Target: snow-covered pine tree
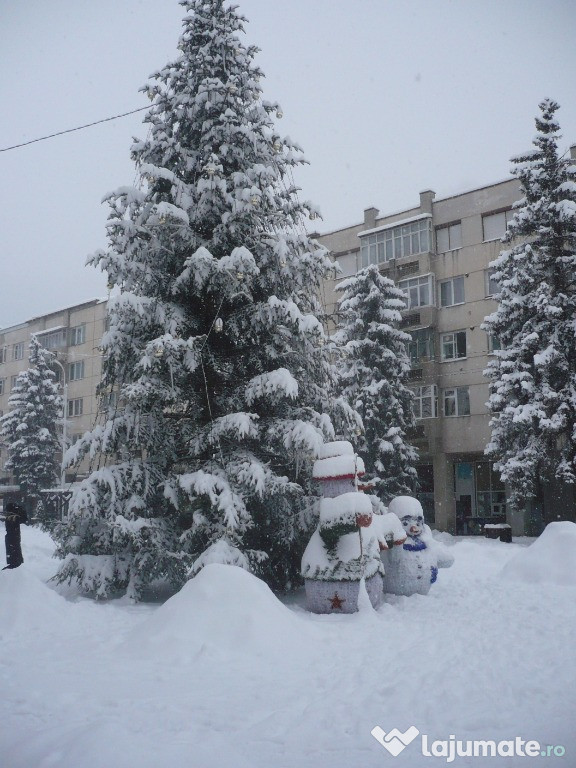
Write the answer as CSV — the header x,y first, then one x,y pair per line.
x,y
533,376
214,352
372,378
30,428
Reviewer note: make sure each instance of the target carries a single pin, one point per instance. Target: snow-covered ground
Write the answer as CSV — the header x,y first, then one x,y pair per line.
x,y
223,675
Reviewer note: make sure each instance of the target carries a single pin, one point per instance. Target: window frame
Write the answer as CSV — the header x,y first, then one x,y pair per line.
x,y
54,339
487,281
456,344
420,398
491,338
454,237
76,370
421,281
75,407
18,350
396,242
77,335
508,213
458,401
451,282
421,345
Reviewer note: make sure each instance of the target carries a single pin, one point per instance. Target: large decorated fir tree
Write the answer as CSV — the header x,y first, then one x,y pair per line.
x,y
533,376
373,375
215,375
30,428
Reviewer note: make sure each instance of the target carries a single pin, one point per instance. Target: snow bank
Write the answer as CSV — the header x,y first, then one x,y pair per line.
x,y
76,695
550,559
26,603
224,609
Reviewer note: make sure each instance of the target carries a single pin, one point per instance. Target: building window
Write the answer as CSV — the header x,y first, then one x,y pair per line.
x,y
494,225
18,351
396,242
494,342
2,385
77,335
448,238
452,291
457,402
76,407
419,291
453,345
108,400
2,354
425,402
54,339
421,347
490,492
76,370
492,288
13,380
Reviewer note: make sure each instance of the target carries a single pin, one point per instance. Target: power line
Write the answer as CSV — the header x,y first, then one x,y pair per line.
x,y
70,130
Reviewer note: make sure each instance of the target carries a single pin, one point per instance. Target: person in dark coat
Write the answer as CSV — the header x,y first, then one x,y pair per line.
x,y
15,516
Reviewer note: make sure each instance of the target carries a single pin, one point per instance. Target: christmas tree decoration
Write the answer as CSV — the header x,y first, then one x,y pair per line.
x,y
351,532
214,352
412,568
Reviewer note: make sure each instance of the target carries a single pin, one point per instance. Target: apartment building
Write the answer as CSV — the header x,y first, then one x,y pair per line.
x,y
74,335
439,253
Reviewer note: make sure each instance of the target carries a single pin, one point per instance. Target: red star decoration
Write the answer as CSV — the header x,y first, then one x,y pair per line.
x,y
336,602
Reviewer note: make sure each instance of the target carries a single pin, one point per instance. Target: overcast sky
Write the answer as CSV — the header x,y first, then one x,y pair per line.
x,y
387,98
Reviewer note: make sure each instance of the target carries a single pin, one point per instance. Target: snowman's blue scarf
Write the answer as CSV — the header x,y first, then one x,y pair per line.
x,y
414,545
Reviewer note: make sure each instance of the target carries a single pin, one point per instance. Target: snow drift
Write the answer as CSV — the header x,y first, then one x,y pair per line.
x,y
550,559
26,603
223,610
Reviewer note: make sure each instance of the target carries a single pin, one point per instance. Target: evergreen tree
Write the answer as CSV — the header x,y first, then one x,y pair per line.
x,y
372,376
533,376
215,374
30,428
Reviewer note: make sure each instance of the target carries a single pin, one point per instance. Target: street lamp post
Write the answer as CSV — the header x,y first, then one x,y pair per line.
x,y
64,417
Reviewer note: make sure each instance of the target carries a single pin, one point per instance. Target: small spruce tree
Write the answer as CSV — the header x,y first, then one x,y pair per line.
x,y
215,374
30,428
533,376
372,378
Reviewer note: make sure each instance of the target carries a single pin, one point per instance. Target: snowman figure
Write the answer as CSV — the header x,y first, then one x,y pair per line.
x,y
353,528
413,567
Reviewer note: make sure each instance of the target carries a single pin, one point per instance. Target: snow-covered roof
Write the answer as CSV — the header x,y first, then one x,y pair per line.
x,y
395,224
50,330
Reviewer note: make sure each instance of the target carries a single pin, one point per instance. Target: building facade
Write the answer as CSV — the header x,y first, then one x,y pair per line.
x,y
74,335
439,253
